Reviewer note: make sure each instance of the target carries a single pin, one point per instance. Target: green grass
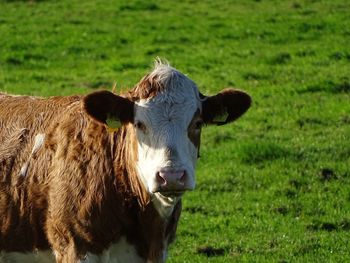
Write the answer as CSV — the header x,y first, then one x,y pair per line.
x,y
274,186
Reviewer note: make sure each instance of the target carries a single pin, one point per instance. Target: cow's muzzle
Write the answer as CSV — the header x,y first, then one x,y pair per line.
x,y
172,181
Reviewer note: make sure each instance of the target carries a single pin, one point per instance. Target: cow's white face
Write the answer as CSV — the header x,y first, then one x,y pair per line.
x,y
166,111
168,128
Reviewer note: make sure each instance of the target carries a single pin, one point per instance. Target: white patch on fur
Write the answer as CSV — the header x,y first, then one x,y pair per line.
x,y
38,143
36,257
121,252
23,171
165,144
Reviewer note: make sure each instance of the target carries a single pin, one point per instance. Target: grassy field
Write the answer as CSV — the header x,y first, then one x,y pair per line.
x,y
272,187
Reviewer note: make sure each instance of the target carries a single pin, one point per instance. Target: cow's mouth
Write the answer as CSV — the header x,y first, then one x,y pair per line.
x,y
171,194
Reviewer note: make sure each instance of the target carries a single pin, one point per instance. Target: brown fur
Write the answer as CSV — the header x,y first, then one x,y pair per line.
x,y
194,129
148,87
81,192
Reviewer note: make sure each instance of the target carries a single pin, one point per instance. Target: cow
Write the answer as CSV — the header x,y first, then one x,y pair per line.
x,y
100,177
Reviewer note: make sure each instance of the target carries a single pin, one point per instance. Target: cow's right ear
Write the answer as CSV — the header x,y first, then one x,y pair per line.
x,y
108,108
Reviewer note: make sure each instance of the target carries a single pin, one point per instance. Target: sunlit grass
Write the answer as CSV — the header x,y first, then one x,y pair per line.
x,y
272,187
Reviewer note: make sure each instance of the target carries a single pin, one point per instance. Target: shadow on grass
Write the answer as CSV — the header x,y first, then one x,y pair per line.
x,y
210,251
263,151
343,225
281,58
140,6
329,86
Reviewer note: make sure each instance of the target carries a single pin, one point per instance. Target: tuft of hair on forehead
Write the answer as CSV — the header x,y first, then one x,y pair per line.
x,y
163,77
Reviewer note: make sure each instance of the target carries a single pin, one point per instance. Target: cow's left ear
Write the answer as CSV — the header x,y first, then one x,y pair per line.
x,y
225,107
108,108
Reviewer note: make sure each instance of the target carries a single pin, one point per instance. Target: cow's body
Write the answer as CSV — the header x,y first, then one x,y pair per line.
x,y
73,190
69,182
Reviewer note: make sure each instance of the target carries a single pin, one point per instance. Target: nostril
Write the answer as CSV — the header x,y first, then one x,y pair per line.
x,y
183,178
160,179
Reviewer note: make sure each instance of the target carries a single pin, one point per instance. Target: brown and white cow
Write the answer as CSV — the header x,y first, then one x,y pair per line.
x,y
99,178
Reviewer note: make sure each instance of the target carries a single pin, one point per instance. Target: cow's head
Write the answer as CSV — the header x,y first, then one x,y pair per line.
x,y
167,112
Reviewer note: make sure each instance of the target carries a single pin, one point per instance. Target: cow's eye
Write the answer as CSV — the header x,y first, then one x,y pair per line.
x,y
140,126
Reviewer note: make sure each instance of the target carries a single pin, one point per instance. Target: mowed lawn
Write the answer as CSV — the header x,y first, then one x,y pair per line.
x,y
273,186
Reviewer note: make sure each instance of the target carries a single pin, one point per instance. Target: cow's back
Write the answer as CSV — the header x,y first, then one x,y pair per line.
x,y
21,119
24,121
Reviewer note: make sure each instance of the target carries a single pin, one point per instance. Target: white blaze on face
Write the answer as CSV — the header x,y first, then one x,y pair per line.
x,y
162,124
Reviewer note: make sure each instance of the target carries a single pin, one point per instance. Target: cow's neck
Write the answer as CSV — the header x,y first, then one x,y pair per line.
x,y
155,233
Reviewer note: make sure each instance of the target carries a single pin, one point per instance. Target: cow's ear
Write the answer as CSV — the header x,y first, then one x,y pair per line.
x,y
225,107
108,108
